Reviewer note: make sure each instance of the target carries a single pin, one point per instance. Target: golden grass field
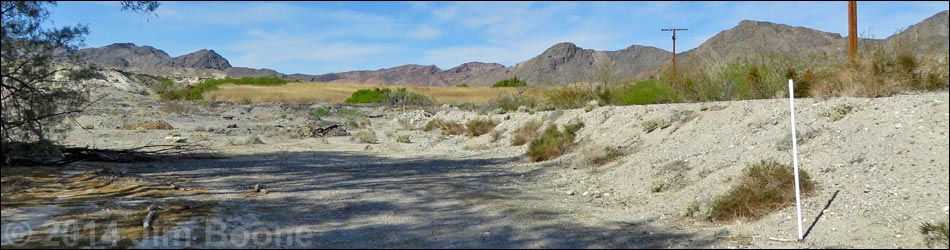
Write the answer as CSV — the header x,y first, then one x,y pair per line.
x,y
338,92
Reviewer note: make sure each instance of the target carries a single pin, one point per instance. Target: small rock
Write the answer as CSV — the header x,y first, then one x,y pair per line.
x,y
257,187
946,210
572,193
232,126
585,194
263,191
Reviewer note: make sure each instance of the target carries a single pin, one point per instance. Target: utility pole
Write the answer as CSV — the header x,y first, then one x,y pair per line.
x,y
852,30
674,45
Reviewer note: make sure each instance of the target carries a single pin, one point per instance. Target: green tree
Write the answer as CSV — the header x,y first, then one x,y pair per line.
x,y
38,91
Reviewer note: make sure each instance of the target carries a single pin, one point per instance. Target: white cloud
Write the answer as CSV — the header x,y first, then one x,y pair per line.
x,y
424,32
270,49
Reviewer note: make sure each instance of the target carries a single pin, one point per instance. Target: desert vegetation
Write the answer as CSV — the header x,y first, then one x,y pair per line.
x,y
339,92
936,234
553,142
510,82
196,92
479,127
762,189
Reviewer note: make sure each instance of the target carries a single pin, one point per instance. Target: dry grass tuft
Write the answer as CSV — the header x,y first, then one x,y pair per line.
x,y
480,127
526,133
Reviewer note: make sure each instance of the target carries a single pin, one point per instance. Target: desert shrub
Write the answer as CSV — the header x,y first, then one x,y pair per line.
x,y
510,82
650,125
567,97
148,125
88,126
387,96
196,91
452,128
320,112
462,85
433,124
936,233
764,188
365,136
350,113
643,92
402,139
164,86
838,112
525,133
511,102
573,127
885,69
550,144
447,127
403,97
479,127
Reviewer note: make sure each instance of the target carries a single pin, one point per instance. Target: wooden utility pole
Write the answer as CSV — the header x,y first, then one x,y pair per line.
x,y
674,45
852,30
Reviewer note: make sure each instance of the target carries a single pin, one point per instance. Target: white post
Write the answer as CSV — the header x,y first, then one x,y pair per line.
x,y
798,193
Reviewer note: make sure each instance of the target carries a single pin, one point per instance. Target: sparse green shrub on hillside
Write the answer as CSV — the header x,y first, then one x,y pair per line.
x,y
552,142
764,188
510,82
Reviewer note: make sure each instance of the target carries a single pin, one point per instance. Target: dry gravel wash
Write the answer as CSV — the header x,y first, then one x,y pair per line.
x,y
882,169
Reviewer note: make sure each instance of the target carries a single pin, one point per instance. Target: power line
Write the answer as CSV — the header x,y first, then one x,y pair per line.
x,y
674,44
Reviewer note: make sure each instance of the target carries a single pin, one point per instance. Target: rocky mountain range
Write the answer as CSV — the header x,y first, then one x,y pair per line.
x,y
560,64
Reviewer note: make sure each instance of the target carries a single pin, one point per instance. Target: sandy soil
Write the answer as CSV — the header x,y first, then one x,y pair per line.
x,y
882,169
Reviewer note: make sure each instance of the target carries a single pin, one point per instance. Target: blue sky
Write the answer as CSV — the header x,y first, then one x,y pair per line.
x,y
324,37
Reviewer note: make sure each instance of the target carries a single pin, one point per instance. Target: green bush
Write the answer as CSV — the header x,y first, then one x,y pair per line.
x,y
643,92
365,136
387,96
511,102
320,112
195,92
764,188
935,233
552,142
650,125
511,82
480,127
402,139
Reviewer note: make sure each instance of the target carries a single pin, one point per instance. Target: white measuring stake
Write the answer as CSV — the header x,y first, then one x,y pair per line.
x,y
798,193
